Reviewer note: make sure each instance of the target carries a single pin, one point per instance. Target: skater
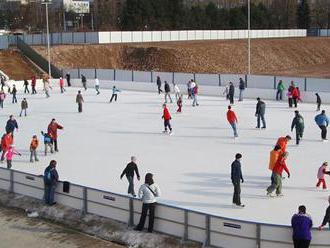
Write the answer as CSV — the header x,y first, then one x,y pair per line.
x,y
280,165
47,86
232,119
236,179
189,88
24,106
231,92
84,81
52,132
176,91
129,173
159,85
50,182
282,142
33,149
79,101
26,86
299,95
322,121
9,154
290,89
62,85
97,86
47,142
295,96
318,102
260,113
68,79
11,125
298,123
114,93
273,157
194,93
167,89
320,175
14,92
326,219
2,98
167,117
280,89
2,81
179,103
241,89
33,84
301,224
226,91
148,192
6,142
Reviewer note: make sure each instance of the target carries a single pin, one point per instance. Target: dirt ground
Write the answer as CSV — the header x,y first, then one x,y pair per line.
x,y
15,65
19,231
291,56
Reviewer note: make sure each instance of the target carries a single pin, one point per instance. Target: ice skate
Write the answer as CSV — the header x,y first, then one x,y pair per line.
x,y
279,195
270,195
325,140
170,133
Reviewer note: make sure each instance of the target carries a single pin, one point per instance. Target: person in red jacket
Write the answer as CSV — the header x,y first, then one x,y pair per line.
x,y
280,165
6,142
295,96
167,117
33,84
282,142
62,85
52,132
232,119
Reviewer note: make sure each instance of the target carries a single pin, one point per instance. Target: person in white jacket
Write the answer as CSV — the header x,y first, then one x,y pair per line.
x,y
176,91
148,192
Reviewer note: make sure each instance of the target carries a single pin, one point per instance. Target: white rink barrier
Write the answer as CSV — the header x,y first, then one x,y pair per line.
x,y
210,230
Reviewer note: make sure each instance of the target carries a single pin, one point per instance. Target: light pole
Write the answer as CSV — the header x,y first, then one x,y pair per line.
x,y
249,37
46,2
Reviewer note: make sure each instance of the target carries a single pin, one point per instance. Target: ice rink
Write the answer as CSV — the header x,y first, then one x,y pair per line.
x,y
192,167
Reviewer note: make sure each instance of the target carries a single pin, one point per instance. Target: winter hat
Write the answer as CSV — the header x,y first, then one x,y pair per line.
x,y
34,136
288,137
238,156
325,163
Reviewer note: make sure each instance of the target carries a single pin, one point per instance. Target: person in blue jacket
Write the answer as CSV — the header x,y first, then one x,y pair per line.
x,y
322,121
236,179
114,93
301,224
50,182
11,125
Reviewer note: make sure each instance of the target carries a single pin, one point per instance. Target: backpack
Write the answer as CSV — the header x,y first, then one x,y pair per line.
x,y
48,177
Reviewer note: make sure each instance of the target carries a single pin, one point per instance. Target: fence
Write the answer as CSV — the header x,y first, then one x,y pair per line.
x,y
183,223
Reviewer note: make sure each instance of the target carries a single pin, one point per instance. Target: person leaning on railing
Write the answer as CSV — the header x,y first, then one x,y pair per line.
x,y
326,219
301,224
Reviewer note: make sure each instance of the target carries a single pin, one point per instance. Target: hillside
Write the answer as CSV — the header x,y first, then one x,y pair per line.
x,y
296,56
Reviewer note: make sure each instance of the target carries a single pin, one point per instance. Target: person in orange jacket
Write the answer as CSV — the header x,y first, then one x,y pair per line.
x,y
232,119
283,142
273,157
167,117
33,148
6,141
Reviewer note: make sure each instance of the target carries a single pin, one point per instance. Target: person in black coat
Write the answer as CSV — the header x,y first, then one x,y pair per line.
x,y
68,78
318,101
260,113
326,219
50,182
129,172
14,92
236,179
231,92
11,125
159,85
241,89
167,89
298,123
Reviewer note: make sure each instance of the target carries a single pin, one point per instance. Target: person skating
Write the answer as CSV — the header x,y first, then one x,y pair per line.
x,y
97,86
26,86
290,89
280,165
68,79
194,93
322,171
167,117
47,142
47,86
33,85
52,132
301,228
282,142
6,141
24,107
226,91
11,125
237,179
62,85
79,101
231,92
167,89
9,154
241,87
280,88
232,119
318,102
260,113
33,149
129,173
273,157
326,219
176,91
14,92
295,96
179,103
2,98
189,88
159,85
298,124
322,121
115,92
50,181
84,81
148,192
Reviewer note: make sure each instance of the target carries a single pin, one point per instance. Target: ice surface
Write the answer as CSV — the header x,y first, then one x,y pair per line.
x,y
192,167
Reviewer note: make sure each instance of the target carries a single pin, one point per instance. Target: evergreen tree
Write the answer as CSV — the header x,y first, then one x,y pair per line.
x,y
303,15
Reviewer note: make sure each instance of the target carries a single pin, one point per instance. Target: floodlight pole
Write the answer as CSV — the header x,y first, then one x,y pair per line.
x,y
46,2
249,37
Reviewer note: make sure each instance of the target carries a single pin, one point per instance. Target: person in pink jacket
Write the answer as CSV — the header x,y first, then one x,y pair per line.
x,y
10,154
320,175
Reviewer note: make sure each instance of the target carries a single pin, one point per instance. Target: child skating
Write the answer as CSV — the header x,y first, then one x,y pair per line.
x,y
24,106
167,117
179,103
114,93
47,142
320,175
10,154
33,149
